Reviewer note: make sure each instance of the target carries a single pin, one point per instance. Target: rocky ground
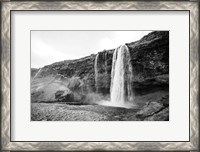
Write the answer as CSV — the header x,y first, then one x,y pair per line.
x,y
150,111
64,112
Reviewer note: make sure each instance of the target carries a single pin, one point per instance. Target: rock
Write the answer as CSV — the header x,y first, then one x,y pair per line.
x,y
160,80
50,89
33,72
149,109
36,96
58,94
163,115
64,96
165,100
155,110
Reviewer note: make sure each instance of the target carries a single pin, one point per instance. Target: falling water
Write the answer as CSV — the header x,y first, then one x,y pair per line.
x,y
121,77
96,72
106,72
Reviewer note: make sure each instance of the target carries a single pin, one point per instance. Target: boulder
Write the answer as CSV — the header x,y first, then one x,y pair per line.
x,y
163,115
149,109
64,96
155,110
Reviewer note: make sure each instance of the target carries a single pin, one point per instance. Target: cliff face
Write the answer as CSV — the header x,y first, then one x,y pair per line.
x,y
149,59
33,72
150,55
150,62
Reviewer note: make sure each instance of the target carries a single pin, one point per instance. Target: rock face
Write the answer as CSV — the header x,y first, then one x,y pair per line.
x,y
163,115
33,72
149,59
56,88
155,111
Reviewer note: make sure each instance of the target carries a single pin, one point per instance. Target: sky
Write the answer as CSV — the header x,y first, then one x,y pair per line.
x,y
48,47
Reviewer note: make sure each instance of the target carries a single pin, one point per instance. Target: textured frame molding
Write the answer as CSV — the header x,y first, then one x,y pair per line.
x,y
193,7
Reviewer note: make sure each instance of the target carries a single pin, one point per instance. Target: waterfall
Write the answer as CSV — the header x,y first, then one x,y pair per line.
x,y
96,72
106,72
121,77
37,73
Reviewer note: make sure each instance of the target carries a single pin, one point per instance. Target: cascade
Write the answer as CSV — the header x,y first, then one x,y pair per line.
x,y
96,72
106,72
121,77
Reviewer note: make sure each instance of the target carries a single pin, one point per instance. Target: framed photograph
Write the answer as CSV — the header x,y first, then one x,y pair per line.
x,y
109,75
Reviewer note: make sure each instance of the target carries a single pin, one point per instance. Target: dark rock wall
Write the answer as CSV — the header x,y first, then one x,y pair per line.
x,y
150,55
104,67
149,58
150,62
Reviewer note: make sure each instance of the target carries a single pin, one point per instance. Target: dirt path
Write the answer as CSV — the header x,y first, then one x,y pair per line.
x,y
64,112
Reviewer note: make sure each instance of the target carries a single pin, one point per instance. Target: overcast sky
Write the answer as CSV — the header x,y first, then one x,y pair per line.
x,y
48,47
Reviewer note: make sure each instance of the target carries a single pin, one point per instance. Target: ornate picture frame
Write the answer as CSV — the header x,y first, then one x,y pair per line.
x,y
6,9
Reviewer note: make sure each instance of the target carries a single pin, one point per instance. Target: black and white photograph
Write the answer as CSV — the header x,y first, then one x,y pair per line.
x,y
99,75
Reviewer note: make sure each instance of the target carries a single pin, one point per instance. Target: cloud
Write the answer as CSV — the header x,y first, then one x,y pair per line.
x,y
120,38
44,54
48,47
